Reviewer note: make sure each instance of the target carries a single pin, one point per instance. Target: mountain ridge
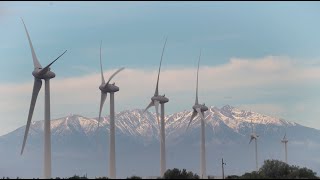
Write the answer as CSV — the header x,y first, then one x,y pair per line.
x,y
138,121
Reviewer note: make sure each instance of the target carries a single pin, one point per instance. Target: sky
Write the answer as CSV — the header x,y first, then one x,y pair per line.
x,y
259,56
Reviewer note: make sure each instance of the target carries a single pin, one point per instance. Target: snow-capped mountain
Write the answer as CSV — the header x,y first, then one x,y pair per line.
x,y
76,138
139,124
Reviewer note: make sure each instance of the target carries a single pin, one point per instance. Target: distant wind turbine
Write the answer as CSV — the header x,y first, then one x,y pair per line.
x,y
199,109
254,137
109,88
155,101
40,73
285,141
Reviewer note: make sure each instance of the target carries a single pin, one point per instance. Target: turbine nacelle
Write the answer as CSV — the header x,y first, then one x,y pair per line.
x,y
202,107
37,73
109,88
254,136
161,99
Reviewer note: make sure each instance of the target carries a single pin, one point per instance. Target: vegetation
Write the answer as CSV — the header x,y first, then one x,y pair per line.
x,y
77,177
274,169
102,177
178,174
271,169
134,177
233,177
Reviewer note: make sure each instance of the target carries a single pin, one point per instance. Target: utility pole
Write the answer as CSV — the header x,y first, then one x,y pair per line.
x,y
222,163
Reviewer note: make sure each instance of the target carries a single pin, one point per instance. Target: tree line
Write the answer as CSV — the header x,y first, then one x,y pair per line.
x,y
274,169
271,169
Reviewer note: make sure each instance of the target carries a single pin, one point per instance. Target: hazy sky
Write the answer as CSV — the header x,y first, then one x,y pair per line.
x,y
260,56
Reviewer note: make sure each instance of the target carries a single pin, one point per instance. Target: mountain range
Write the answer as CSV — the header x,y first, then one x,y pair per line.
x,y
80,147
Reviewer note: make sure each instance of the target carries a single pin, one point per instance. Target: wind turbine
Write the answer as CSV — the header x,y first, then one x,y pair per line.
x,y
40,73
109,88
285,141
254,137
200,109
155,101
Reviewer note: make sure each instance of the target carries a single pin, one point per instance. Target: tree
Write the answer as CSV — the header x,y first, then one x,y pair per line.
x,y
134,177
307,173
252,175
102,177
279,170
299,173
233,177
274,169
178,174
77,177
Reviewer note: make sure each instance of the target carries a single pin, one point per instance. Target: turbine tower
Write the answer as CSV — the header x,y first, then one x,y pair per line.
x,y
200,109
109,88
155,101
40,73
255,137
285,141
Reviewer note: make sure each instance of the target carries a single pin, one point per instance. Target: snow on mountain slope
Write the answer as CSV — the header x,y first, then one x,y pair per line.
x,y
138,124
67,125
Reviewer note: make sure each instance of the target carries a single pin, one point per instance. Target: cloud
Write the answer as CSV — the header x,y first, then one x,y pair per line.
x,y
81,94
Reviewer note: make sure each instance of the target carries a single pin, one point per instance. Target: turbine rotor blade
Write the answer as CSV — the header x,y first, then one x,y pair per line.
x,y
197,79
115,74
251,126
150,104
102,78
251,140
156,93
102,100
156,104
200,113
194,113
46,69
36,88
36,63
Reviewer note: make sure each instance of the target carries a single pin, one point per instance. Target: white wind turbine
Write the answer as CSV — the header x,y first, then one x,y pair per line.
x,y
109,88
155,101
40,73
255,137
200,109
285,141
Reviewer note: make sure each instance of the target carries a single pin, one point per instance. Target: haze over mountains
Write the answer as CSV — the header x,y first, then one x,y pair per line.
x,y
79,147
